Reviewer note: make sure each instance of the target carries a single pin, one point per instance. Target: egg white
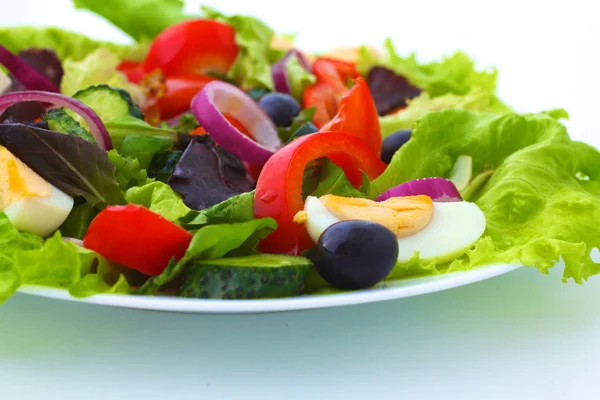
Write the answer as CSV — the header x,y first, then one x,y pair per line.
x,y
454,227
40,215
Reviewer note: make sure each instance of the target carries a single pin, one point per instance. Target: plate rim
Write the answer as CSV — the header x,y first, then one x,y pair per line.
x,y
419,286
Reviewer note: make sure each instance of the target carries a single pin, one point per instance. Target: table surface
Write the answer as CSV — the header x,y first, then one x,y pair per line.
x,y
523,335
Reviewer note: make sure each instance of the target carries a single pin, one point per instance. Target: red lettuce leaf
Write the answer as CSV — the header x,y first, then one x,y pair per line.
x,y
74,165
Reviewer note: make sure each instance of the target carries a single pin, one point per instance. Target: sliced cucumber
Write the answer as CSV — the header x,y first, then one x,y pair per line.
x,y
59,121
252,277
462,171
109,103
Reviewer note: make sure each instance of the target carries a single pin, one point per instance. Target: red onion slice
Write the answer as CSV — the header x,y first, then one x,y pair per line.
x,y
97,128
279,71
218,98
26,75
439,189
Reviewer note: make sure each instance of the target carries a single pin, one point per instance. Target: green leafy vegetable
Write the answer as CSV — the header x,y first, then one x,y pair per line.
x,y
186,123
75,166
159,198
301,120
455,74
125,126
476,100
97,68
78,221
140,19
215,241
235,209
66,44
163,164
144,148
540,201
252,68
332,180
12,242
128,172
299,78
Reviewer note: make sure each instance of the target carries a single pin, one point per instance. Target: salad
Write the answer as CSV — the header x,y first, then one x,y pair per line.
x,y
212,158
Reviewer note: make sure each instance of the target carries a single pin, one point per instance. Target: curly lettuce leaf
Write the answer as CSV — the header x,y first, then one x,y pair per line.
x,y
128,172
97,68
66,44
215,241
478,100
159,198
55,263
252,68
298,77
140,19
541,200
144,148
11,243
454,74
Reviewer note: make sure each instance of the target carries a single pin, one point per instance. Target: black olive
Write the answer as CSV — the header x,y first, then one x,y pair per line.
x,y
356,254
392,144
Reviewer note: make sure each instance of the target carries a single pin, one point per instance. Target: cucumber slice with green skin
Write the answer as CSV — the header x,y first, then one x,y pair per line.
x,y
252,277
59,121
109,103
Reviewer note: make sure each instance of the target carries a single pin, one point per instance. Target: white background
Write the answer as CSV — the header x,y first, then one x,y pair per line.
x,y
519,336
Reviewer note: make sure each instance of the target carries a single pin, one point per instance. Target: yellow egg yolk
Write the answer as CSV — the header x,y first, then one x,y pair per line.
x,y
404,216
18,181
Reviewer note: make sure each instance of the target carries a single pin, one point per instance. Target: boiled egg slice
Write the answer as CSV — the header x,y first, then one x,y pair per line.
x,y
31,203
439,231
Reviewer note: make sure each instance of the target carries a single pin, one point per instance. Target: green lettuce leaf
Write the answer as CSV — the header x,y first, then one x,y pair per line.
x,y
235,209
541,197
332,180
11,243
97,68
140,19
128,172
215,241
66,44
144,148
159,198
125,126
476,100
252,68
55,263
299,78
455,74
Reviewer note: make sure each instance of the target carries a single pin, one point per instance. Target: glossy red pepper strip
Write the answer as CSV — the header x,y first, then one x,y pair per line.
x,y
279,188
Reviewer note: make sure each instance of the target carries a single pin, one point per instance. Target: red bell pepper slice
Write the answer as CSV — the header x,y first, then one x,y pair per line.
x,y
279,188
326,94
137,238
344,69
196,46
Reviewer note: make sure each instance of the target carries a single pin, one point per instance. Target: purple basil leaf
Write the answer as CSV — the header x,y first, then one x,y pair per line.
x,y
74,165
47,63
207,174
390,90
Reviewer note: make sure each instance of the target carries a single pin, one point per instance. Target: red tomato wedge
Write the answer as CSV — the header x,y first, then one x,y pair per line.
x,y
279,188
137,238
196,46
133,70
179,92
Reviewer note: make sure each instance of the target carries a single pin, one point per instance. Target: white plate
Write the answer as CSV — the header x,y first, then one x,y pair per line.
x,y
395,290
